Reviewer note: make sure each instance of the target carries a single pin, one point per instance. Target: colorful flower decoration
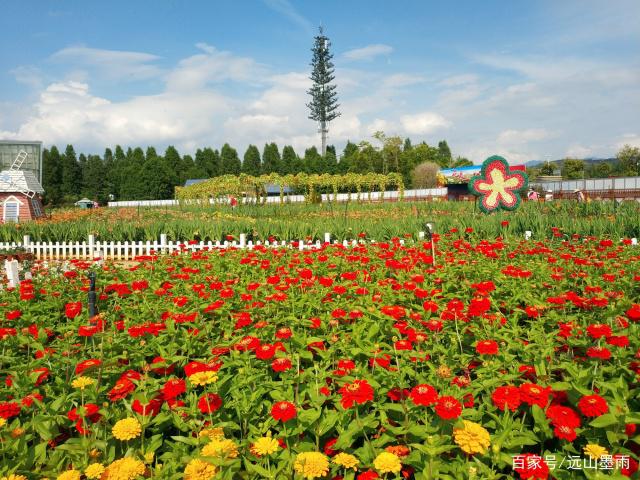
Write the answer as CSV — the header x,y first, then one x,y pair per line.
x,y
497,186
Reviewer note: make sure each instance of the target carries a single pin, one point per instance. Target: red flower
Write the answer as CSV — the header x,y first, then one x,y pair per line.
x,y
357,392
265,351
563,416
602,353
209,403
152,408
599,330
173,388
487,347
565,433
368,475
533,394
121,389
87,365
634,312
423,395
330,452
72,310
448,408
283,333
281,364
593,405
507,396
9,409
627,465
529,465
283,411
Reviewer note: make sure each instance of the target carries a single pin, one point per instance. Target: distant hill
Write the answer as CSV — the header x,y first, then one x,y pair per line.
x,y
588,161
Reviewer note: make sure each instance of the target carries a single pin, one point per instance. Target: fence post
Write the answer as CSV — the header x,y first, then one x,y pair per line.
x,y
26,242
163,242
527,235
243,240
327,237
421,235
301,245
92,240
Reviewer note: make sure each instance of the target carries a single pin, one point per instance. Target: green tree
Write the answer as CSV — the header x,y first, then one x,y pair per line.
x,y
348,156
108,162
330,161
444,154
425,175
157,180
391,150
547,169
150,153
270,158
292,164
52,175
93,178
462,162
209,162
313,161
173,158
407,145
229,160
629,160
71,174
324,98
572,168
251,163
601,170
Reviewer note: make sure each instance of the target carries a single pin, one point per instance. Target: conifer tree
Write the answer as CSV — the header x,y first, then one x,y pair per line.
x,y
324,98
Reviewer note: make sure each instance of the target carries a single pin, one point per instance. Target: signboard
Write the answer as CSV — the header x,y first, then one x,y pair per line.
x,y
462,175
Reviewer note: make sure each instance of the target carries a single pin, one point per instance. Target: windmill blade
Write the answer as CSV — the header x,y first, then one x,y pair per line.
x,y
17,163
6,179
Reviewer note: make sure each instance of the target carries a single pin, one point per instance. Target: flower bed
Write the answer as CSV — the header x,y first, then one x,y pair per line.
x,y
503,360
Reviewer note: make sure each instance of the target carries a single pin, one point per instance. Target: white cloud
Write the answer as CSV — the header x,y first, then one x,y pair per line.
x,y
111,63
579,151
457,80
209,67
28,75
518,137
632,139
423,123
285,8
367,53
402,80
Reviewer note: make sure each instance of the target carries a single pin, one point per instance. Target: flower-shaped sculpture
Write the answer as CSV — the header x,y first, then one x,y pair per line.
x,y
497,186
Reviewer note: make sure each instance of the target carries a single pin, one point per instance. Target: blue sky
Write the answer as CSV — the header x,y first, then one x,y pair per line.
x,y
528,80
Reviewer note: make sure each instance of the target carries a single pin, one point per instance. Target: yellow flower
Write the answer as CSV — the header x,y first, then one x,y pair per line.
x,y
311,464
94,471
3,422
148,457
69,475
197,469
127,429
14,476
387,462
345,460
595,451
203,378
211,433
471,439
265,446
82,382
124,469
220,448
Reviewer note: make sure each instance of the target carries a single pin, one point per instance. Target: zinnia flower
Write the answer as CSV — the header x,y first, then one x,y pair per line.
x,y
529,465
423,395
487,347
82,382
283,411
265,446
533,394
209,403
506,396
595,451
387,462
203,378
593,405
472,439
311,464
357,392
220,448
345,460
13,476
198,469
124,469
127,429
94,471
69,475
448,408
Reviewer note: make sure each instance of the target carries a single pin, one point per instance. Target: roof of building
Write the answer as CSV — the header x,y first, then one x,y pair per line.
x,y
84,200
25,179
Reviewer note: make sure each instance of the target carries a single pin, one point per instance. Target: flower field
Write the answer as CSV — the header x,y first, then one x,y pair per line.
x,y
501,359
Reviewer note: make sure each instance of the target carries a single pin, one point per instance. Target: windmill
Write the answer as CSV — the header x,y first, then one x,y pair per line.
x,y
18,189
6,177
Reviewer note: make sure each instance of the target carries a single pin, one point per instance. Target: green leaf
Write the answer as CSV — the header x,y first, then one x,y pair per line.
x,y
604,421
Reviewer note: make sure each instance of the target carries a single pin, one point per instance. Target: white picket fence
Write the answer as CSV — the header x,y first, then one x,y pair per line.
x,y
93,249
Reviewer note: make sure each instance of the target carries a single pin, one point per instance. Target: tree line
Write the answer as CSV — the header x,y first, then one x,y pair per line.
x,y
137,174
